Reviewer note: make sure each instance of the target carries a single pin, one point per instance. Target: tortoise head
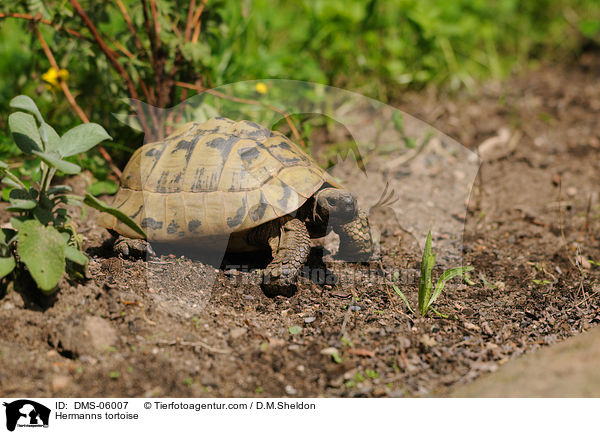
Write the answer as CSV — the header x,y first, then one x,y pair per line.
x,y
335,206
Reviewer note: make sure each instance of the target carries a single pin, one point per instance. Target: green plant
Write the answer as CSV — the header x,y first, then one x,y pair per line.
x,y
150,48
294,330
426,296
43,239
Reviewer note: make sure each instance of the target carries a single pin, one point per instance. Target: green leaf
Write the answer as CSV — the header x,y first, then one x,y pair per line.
x,y
16,222
21,205
65,236
589,28
75,255
398,121
294,330
50,137
42,249
7,236
6,180
56,162
425,279
59,189
101,206
44,216
25,133
23,102
403,297
22,199
3,165
12,180
447,275
81,139
6,266
103,187
410,143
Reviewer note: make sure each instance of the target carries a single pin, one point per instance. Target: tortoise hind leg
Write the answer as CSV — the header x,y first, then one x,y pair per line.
x,y
356,243
290,248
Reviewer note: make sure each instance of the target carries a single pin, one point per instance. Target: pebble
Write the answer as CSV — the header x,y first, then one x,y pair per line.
x,y
329,351
289,389
309,319
238,332
355,308
249,297
60,382
101,334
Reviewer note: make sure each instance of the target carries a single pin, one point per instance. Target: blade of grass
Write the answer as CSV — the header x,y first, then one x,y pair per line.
x,y
403,297
425,279
438,313
446,276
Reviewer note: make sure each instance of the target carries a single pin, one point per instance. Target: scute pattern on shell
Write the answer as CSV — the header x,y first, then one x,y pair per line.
x,y
213,178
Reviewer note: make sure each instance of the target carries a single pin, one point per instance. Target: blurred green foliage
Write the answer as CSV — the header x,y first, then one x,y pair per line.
x,y
377,47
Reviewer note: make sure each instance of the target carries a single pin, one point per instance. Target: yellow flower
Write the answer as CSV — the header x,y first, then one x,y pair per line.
x,y
52,76
261,88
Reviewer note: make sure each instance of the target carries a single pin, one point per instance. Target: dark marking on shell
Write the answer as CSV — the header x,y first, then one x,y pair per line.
x,y
258,210
283,156
223,145
248,155
283,202
193,225
151,152
150,223
204,181
155,154
188,146
239,215
161,186
176,180
172,228
139,210
207,132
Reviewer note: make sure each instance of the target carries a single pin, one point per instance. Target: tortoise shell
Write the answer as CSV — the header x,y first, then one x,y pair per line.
x,y
214,178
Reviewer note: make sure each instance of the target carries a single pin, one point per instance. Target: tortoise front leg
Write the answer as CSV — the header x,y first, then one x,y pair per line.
x,y
290,248
132,248
356,243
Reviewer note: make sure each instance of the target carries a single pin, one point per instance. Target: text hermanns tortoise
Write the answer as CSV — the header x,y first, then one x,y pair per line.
x,y
238,179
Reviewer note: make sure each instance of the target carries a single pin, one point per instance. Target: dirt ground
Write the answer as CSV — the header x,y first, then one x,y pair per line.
x,y
529,233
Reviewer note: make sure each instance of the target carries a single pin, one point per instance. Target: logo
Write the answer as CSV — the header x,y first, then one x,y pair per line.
x,y
26,413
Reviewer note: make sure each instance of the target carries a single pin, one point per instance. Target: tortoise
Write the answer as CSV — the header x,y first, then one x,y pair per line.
x,y
223,178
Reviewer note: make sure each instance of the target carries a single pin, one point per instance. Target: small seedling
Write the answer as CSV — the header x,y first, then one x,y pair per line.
x,y
426,297
371,373
42,240
358,378
346,342
294,330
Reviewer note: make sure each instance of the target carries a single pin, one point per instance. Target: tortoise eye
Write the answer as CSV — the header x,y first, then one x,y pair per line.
x,y
332,201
